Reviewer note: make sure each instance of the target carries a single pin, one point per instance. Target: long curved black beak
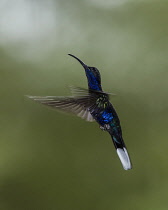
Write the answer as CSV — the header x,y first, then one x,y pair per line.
x,y
81,62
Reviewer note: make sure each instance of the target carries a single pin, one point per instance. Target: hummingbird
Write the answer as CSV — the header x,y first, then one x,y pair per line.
x,y
92,104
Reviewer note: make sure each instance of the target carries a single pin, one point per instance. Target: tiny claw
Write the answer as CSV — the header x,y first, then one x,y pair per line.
x,y
106,127
102,128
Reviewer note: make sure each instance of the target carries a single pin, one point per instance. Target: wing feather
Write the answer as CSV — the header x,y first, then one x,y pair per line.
x,y
77,105
83,102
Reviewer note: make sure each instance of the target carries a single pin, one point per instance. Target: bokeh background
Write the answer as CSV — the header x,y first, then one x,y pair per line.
x,y
55,161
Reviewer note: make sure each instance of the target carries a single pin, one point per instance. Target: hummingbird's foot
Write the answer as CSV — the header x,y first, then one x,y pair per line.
x,y
106,127
102,128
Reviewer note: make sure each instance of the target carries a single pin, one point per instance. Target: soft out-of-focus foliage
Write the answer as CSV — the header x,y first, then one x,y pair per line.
x,y
49,160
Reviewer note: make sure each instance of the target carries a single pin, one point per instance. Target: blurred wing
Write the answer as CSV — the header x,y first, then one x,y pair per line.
x,y
79,92
79,105
83,102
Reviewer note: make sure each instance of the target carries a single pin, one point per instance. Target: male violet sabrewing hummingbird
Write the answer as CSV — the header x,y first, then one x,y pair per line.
x,y
92,104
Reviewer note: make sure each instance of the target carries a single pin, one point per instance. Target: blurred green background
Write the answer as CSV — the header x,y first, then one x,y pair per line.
x,y
52,161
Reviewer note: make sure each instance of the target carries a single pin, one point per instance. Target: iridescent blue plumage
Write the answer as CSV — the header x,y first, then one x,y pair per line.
x,y
93,104
106,117
93,80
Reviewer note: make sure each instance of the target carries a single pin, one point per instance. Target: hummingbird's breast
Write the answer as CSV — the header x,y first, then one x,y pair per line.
x,y
104,113
105,117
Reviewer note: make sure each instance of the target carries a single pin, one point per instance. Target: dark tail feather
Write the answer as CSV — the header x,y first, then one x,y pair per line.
x,y
122,152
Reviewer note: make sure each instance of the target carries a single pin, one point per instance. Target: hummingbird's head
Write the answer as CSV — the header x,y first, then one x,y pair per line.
x,y
93,75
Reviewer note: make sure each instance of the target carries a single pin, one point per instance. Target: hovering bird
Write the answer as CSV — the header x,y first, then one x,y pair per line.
x,y
92,104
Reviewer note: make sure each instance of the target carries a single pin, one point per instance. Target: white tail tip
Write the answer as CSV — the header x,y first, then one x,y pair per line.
x,y
124,158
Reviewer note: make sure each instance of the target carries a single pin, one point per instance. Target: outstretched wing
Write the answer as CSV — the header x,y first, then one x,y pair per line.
x,y
80,104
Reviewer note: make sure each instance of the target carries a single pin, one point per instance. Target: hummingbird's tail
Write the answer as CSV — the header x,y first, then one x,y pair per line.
x,y
121,151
